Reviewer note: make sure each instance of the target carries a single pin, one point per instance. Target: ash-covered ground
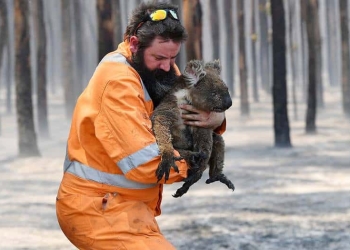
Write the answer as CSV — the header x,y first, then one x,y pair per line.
x,y
293,198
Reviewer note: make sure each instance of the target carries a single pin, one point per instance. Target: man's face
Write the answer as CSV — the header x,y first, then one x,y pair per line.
x,y
155,64
161,54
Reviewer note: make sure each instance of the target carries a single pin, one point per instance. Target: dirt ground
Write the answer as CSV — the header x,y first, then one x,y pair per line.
x,y
294,199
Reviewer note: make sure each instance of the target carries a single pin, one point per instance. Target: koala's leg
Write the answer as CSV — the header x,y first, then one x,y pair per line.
x,y
216,162
188,183
202,144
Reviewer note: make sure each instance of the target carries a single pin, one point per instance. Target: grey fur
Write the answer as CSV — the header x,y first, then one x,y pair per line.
x,y
201,86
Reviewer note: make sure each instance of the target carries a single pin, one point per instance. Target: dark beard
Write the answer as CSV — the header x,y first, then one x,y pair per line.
x,y
157,82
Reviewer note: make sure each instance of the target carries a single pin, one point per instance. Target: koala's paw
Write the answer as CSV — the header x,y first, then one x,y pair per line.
x,y
167,162
223,179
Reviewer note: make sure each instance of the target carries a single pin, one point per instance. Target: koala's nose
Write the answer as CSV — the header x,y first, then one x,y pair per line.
x,y
227,101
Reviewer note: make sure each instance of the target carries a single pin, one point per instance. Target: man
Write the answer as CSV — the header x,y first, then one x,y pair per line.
x,y
109,195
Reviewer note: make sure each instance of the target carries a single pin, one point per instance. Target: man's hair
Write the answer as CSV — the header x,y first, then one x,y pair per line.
x,y
167,29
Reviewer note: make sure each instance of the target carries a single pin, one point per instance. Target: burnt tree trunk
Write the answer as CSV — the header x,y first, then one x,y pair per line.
x,y
242,60
279,87
229,48
27,142
311,8
116,20
192,14
105,28
215,28
345,56
3,28
67,54
318,55
293,55
254,38
264,44
79,50
43,123
3,34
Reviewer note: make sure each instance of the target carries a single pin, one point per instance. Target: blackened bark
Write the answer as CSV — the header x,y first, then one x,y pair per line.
x,y
293,55
116,19
264,46
254,65
192,11
229,48
345,56
79,49
105,28
215,28
279,88
242,60
43,123
3,33
318,54
67,62
3,28
311,8
27,142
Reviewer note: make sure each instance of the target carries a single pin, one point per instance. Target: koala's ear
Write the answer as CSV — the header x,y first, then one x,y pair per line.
x,y
215,65
194,72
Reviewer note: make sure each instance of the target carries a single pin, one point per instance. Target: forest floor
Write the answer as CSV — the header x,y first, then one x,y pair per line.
x,y
293,198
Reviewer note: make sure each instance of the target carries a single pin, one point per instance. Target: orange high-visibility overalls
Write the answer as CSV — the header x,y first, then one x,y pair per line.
x,y
109,195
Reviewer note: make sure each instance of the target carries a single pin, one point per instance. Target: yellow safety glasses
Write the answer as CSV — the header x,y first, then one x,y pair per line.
x,y
158,15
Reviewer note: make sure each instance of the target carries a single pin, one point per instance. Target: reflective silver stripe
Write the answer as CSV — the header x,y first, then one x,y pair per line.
x,y
115,58
121,59
92,174
140,157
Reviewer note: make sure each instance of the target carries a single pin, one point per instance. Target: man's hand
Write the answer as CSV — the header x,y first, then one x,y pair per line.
x,y
201,118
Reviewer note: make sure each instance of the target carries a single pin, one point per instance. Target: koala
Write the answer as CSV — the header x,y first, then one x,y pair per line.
x,y
201,86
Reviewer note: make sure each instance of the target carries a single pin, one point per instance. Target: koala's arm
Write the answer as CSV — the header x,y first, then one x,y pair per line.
x,y
163,120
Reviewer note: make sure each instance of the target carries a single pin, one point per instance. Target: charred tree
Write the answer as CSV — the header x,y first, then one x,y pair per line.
x,y
229,48
279,88
3,34
181,58
3,28
310,16
43,123
293,56
318,55
117,27
264,44
344,19
242,61
27,142
192,14
215,28
78,45
105,27
254,39
67,53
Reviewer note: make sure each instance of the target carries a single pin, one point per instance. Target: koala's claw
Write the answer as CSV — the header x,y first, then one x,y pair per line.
x,y
164,166
223,179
